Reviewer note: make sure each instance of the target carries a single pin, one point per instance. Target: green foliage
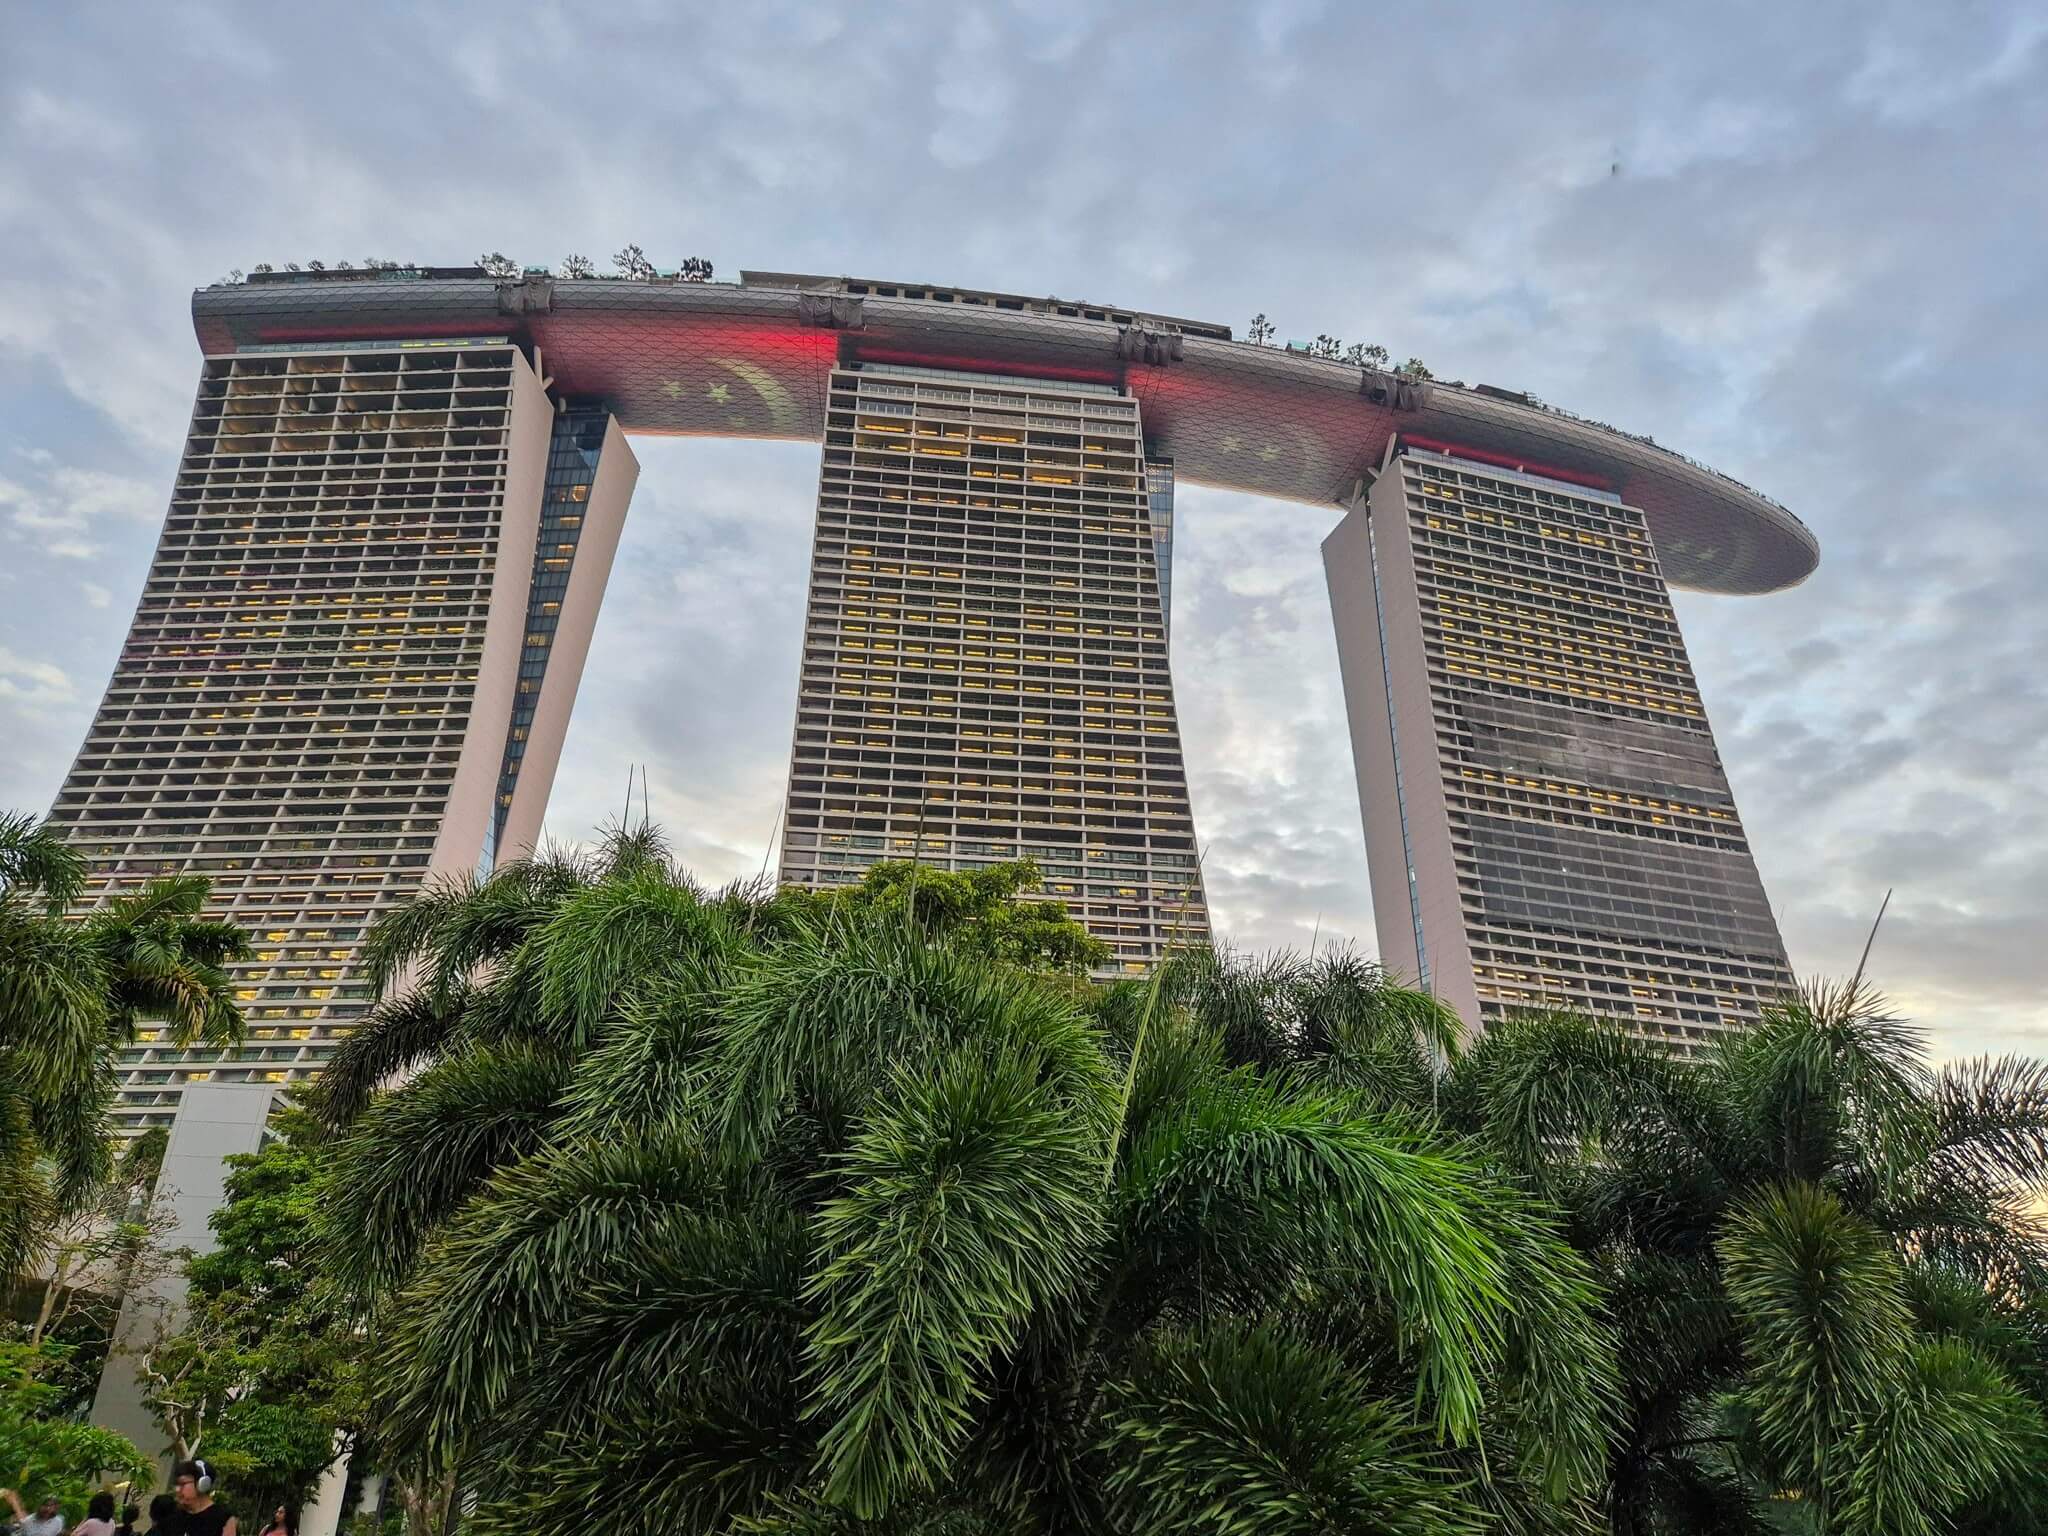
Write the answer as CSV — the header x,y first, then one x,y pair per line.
x,y
44,1454
262,1374
71,994
862,1212
979,912
850,1213
1823,1263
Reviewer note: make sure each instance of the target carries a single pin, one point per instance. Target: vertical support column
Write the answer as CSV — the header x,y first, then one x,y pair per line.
x,y
214,1122
1381,657
590,480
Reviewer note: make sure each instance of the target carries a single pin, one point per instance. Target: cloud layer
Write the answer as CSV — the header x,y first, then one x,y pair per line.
x,y
1802,242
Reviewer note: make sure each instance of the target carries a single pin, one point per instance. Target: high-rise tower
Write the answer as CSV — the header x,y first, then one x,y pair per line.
x,y
352,665
353,662
1547,819
985,670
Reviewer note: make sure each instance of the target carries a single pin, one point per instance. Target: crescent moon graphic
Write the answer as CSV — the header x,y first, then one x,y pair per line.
x,y
782,411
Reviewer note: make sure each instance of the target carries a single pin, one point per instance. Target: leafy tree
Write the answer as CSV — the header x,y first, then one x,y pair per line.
x,y
71,995
1825,1263
702,1213
578,266
978,911
632,262
45,1453
498,264
260,1376
1261,331
1326,345
1366,354
97,1254
1415,368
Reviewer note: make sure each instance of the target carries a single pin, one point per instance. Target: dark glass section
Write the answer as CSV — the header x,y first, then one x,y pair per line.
x,y
1159,491
572,468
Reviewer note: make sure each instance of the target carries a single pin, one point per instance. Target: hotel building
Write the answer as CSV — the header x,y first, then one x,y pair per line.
x,y
352,665
984,671
1548,824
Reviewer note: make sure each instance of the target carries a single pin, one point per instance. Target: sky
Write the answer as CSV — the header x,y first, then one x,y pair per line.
x,y
1804,243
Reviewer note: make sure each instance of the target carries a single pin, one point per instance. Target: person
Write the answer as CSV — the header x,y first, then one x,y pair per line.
x,y
48,1520
164,1519
130,1513
280,1523
198,1514
99,1517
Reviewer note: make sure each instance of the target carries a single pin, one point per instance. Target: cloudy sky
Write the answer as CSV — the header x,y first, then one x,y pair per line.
x,y
1804,242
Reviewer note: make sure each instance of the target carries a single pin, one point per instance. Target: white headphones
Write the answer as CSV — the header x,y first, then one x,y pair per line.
x,y
204,1482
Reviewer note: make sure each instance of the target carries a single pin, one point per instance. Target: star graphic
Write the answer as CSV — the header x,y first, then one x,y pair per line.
x,y
719,393
1269,453
1231,443
673,390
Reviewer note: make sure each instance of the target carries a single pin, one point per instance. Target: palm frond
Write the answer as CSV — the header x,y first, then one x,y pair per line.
x,y
53,1002
970,1199
1261,1185
1241,1432
398,1033
34,857
407,934
1830,1080
620,939
411,1159
28,1207
653,1069
819,1030
1821,1295
1954,1430
1549,1090
659,1465
470,1323
1991,1117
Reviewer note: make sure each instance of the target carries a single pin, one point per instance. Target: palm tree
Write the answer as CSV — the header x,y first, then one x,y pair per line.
x,y
706,1213
1825,1263
71,994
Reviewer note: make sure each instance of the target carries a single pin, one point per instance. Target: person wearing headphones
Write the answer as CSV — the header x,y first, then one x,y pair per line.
x,y
192,1482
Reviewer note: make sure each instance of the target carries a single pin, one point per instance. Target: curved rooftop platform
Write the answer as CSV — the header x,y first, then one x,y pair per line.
x,y
753,359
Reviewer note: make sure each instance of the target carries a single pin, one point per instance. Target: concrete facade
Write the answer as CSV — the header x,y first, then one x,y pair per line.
x,y
985,672
316,701
214,1121
1548,823
355,656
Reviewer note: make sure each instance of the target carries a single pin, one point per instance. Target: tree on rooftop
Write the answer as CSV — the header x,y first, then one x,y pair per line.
x,y
498,264
1260,332
632,262
578,266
